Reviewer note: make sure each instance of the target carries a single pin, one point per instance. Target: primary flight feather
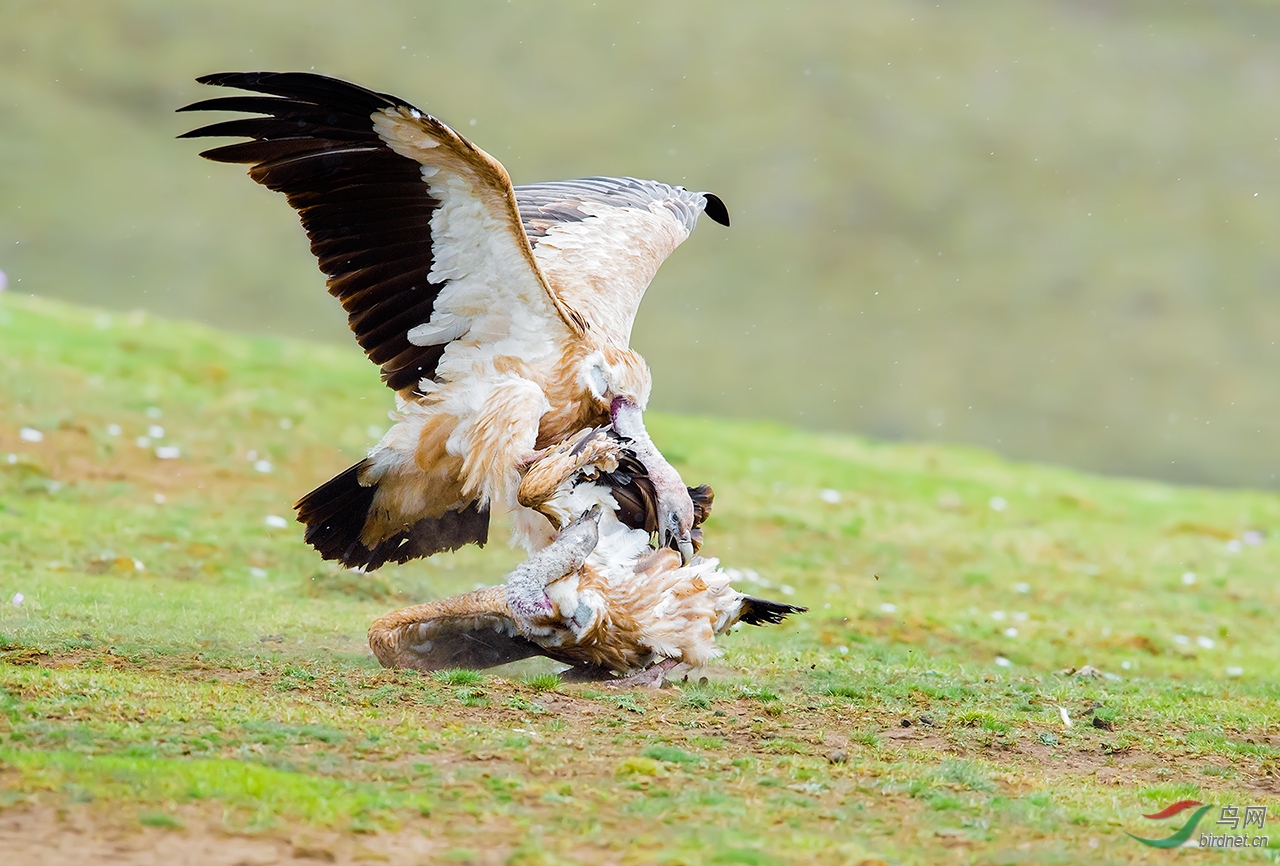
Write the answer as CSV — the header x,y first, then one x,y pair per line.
x,y
500,315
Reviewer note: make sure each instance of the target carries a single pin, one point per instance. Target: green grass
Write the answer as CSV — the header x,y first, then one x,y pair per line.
x,y
182,661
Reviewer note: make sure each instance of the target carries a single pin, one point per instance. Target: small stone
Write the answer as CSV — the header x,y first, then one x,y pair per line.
x,y
837,756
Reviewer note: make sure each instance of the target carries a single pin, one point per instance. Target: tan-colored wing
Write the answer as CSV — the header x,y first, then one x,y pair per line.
x,y
416,229
600,240
473,630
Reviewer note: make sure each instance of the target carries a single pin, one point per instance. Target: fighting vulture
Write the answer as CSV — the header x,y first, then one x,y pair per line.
x,y
599,597
501,316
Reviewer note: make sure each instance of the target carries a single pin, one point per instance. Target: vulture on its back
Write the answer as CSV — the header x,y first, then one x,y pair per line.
x,y
599,597
500,315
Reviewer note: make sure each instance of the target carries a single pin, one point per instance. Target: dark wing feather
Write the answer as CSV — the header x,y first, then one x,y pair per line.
x,y
366,209
473,630
638,500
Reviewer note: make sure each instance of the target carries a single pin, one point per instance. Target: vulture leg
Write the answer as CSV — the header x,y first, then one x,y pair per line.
x,y
527,585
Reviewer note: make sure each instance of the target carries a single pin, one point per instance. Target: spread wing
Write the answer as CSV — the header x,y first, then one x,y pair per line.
x,y
416,229
473,630
599,241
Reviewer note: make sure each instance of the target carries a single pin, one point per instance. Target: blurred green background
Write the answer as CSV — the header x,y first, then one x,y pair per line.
x,y
1041,227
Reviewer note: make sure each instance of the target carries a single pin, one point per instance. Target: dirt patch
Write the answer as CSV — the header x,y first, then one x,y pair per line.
x,y
71,837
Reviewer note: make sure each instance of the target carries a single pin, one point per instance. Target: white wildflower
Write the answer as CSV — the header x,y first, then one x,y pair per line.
x,y
1188,578
1233,546
18,599
1253,537
787,590
1011,632
888,607
154,412
829,496
113,430
168,452
159,498
1235,672
30,434
997,615
262,465
1181,639
998,503
258,572
276,521
155,431
1206,642
1003,662
1022,587
142,442
286,423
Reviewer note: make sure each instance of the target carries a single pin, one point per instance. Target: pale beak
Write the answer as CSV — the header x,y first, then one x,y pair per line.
x,y
685,546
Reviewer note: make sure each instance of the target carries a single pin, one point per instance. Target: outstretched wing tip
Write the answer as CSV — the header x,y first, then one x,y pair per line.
x,y
715,208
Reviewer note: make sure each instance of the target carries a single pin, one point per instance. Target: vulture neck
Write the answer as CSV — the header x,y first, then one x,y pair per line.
x,y
673,496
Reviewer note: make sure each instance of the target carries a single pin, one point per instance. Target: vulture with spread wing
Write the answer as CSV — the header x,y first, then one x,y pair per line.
x,y
500,315
599,597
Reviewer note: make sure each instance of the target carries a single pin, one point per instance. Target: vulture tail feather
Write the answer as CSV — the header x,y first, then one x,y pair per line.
x,y
759,611
335,514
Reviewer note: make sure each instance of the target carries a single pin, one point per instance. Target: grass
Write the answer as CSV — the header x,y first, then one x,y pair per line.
x,y
178,663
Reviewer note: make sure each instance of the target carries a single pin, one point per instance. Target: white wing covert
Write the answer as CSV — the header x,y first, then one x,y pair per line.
x,y
599,241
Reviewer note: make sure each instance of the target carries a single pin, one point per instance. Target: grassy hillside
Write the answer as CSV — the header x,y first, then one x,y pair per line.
x,y
180,673
1045,228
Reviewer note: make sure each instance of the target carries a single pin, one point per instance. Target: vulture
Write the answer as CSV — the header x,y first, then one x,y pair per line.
x,y
500,316
599,597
